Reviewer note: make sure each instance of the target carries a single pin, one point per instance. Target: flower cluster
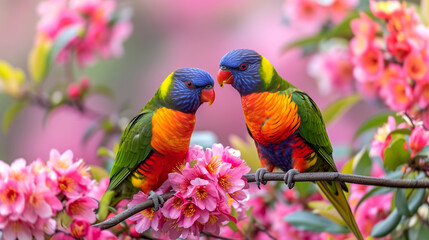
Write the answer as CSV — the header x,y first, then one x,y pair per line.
x,y
100,30
387,57
417,140
313,14
332,68
44,198
209,189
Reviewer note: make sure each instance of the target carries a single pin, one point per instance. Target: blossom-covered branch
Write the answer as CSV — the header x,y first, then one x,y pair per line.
x,y
300,177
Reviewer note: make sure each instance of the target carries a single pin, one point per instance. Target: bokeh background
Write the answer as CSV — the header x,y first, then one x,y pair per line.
x,y
167,35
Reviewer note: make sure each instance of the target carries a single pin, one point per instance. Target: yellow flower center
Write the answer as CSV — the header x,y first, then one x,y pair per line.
x,y
214,164
201,193
66,184
224,183
9,195
148,213
189,210
177,203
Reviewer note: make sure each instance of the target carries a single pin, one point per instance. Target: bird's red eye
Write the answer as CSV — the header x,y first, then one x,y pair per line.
x,y
243,66
189,83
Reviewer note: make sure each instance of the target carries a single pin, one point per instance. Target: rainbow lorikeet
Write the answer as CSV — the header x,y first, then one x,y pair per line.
x,y
156,141
285,123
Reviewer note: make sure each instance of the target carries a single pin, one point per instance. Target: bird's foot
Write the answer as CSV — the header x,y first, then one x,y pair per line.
x,y
289,177
158,201
259,175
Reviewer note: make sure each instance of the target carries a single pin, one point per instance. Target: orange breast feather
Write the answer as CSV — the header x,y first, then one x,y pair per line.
x,y
171,131
171,134
270,117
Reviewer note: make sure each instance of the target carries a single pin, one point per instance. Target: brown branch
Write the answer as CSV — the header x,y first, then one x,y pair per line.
x,y
300,177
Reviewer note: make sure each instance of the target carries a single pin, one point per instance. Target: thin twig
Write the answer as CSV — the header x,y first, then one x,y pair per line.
x,y
129,212
300,177
216,236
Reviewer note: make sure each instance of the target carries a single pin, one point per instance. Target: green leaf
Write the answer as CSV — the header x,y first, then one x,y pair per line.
x,y
400,131
401,203
382,228
373,122
313,40
38,61
233,226
63,38
417,200
372,192
305,189
103,206
103,151
12,112
336,109
340,30
98,173
308,221
362,163
395,154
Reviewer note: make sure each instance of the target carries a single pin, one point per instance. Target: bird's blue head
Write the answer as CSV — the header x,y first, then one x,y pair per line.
x,y
241,68
187,88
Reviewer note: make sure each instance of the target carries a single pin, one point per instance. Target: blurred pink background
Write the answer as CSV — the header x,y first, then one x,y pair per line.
x,y
167,35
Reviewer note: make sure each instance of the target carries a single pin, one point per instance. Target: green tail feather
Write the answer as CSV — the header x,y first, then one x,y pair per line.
x,y
332,191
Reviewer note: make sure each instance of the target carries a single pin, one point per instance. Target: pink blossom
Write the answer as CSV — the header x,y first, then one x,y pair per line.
x,y
384,9
146,218
203,193
382,138
419,138
79,228
69,183
399,94
40,202
173,207
306,13
364,26
369,65
102,32
74,91
95,233
4,170
18,171
192,213
195,152
230,180
17,230
338,9
82,207
44,226
98,189
332,69
60,162
421,91
12,199
62,236
216,220
415,65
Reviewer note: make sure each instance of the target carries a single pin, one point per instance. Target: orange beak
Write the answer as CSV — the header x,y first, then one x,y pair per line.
x,y
208,95
224,77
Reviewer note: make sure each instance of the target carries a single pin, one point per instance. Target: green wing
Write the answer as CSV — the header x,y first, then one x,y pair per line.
x,y
312,128
133,148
